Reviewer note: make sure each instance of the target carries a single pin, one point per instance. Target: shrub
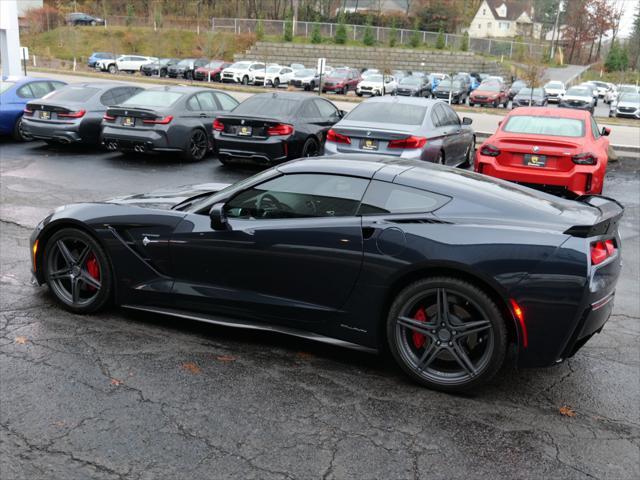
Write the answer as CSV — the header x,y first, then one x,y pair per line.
x,y
440,43
260,29
415,40
288,29
465,42
316,35
369,38
341,32
43,19
131,13
393,34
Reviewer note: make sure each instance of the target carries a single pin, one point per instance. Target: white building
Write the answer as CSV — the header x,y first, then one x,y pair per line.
x,y
505,18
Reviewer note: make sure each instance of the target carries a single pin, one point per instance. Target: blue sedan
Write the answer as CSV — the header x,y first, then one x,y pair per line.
x,y
15,92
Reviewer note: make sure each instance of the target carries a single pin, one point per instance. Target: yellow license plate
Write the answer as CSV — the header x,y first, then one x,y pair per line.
x,y
129,121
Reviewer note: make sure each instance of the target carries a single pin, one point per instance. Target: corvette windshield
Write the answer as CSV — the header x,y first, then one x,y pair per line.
x,y
553,126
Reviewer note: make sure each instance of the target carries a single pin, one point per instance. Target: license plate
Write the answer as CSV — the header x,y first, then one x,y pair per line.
x,y
369,144
244,131
535,160
45,115
128,121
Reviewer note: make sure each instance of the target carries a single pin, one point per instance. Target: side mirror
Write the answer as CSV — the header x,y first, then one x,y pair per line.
x,y
606,131
500,123
218,218
341,113
467,121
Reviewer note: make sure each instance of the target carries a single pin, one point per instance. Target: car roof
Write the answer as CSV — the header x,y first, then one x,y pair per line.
x,y
181,89
105,84
398,99
551,112
290,95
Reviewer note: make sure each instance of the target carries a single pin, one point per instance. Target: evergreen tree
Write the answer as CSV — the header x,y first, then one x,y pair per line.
x,y
415,39
260,29
369,38
465,42
288,28
341,32
440,43
393,34
316,35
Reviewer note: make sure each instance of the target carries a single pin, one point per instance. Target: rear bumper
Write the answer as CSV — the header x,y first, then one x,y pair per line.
x,y
60,132
114,138
267,151
582,179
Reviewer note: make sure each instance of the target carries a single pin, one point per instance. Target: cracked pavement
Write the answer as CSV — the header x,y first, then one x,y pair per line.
x,y
126,395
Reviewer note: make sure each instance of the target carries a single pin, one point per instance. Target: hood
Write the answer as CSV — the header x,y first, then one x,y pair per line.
x,y
628,103
486,93
166,198
370,83
578,97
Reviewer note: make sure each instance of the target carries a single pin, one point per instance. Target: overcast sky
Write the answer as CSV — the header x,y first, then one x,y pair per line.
x,y
626,22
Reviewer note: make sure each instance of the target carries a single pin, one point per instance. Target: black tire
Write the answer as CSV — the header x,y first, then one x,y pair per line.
x,y
310,148
113,69
359,94
452,349
276,82
471,104
71,274
245,80
93,23
440,160
189,75
470,155
19,135
197,146
495,104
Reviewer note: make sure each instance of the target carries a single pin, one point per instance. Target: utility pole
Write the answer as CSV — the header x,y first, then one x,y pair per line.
x,y
555,31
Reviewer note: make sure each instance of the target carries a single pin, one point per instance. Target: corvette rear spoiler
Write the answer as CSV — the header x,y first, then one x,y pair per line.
x,y
611,212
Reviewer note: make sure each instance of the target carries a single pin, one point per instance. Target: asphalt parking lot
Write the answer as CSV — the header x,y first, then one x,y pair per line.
x,y
136,396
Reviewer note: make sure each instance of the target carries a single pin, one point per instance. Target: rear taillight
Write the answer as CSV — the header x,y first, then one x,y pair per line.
x,y
27,111
585,159
490,151
409,142
218,126
601,250
280,129
78,114
108,118
159,121
335,137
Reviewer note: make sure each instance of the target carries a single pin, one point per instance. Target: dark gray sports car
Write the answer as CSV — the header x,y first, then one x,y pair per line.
x,y
166,119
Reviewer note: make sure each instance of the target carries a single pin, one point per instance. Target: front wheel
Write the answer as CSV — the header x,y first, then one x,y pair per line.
x,y
189,75
77,271
197,146
446,334
245,80
113,69
276,82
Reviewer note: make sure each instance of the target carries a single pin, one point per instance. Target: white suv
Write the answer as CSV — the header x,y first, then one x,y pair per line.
x,y
124,63
242,72
276,75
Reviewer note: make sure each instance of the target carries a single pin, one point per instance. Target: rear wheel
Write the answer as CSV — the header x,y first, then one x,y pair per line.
x,y
19,134
468,158
440,159
446,334
495,104
77,271
310,148
197,146
471,103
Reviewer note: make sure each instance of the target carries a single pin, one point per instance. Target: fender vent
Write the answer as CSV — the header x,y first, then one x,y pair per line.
x,y
420,220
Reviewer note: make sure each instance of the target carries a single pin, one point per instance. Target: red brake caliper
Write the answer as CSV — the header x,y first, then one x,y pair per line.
x,y
418,338
93,269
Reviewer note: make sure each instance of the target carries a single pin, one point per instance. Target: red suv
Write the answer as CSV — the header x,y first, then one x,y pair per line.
x,y
341,80
560,150
211,70
490,92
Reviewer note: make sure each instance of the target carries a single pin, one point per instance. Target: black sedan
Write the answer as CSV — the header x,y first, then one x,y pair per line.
x,y
414,86
530,97
447,269
457,91
274,127
73,114
166,119
186,68
158,68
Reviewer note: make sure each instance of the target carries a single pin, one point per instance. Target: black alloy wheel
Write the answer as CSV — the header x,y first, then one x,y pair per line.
x,y
77,271
19,134
197,146
470,154
446,334
310,148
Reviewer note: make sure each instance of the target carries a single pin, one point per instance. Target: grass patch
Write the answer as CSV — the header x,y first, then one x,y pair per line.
x,y
68,42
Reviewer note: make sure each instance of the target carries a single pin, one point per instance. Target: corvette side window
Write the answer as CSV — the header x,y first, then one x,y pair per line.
x,y
384,197
299,196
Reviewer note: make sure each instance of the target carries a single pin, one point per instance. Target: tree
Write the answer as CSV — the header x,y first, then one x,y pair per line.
x,y
603,21
288,29
341,32
260,29
393,34
440,42
316,35
130,14
415,40
464,46
617,59
369,38
578,26
634,42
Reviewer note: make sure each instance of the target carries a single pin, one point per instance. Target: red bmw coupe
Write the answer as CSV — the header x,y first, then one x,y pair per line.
x,y
559,150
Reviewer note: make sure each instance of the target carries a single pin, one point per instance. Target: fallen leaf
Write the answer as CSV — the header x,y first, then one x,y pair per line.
x,y
225,358
191,368
567,411
59,424
304,355
21,340
116,382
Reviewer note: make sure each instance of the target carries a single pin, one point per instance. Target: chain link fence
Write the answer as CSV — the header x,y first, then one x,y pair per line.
x,y
486,46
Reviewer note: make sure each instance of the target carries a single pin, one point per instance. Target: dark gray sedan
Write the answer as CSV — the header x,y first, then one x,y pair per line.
x,y
405,127
73,114
528,97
